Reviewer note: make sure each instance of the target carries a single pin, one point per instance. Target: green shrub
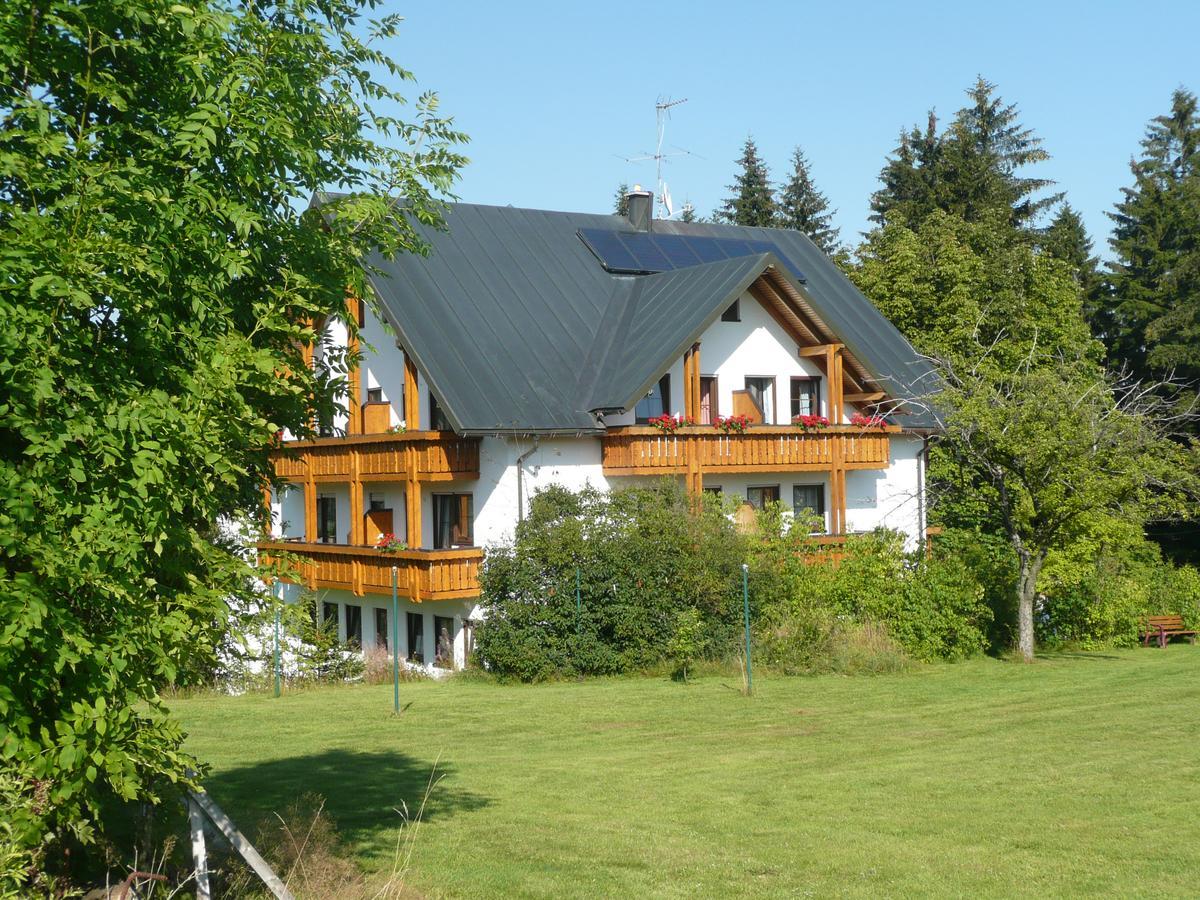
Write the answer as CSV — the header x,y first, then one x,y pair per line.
x,y
642,554
932,608
687,643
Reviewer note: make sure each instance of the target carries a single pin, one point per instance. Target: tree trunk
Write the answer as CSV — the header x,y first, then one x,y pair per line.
x,y
1031,566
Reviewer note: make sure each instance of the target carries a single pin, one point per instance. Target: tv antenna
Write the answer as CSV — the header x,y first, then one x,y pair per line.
x,y
662,114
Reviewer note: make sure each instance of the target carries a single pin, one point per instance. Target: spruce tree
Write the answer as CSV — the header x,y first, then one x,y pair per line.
x,y
621,199
803,208
910,176
1067,240
972,169
1155,306
753,201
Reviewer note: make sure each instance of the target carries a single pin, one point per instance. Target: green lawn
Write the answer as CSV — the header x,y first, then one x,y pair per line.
x,y
1077,775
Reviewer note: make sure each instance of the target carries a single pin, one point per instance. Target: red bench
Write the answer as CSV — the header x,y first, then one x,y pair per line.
x,y
1164,628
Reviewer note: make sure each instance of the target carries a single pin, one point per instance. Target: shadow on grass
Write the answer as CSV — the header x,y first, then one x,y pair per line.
x,y
362,790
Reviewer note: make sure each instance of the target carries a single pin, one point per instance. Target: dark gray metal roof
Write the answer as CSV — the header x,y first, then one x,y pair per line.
x,y
518,328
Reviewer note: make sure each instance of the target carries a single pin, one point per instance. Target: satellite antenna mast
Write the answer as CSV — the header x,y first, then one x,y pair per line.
x,y
662,113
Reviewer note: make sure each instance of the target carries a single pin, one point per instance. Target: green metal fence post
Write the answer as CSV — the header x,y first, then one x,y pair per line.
x,y
746,614
395,646
278,597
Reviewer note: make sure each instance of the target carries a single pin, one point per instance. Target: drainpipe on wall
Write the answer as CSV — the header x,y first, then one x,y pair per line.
x,y
521,478
922,523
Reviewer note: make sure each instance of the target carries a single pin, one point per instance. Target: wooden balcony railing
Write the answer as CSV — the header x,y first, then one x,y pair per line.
x,y
421,574
410,455
648,451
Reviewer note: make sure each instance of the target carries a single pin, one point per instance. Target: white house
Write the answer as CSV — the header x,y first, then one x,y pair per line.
x,y
533,348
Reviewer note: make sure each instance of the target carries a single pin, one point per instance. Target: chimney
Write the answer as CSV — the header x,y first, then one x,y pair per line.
x,y
639,208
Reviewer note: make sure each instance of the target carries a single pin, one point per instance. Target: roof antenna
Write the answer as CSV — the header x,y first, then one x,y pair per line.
x,y
662,112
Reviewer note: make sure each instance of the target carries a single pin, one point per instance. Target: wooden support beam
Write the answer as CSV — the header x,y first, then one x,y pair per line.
x,y
356,500
412,401
412,498
818,350
310,508
839,384
691,382
865,397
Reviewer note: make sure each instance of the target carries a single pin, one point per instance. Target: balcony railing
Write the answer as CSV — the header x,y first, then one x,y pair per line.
x,y
648,451
421,574
414,455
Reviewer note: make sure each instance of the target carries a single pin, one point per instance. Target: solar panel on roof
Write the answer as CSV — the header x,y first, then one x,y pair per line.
x,y
646,256
610,251
645,253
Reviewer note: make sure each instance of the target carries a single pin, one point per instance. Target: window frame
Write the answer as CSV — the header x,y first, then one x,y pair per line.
x,y
771,417
457,497
822,511
326,513
353,617
664,390
777,488
714,404
814,382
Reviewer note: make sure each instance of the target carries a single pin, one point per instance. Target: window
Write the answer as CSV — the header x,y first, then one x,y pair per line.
x,y
437,418
808,499
806,397
760,496
326,519
708,399
763,392
375,395
416,637
452,518
443,629
733,314
715,489
376,502
354,624
381,628
656,403
329,616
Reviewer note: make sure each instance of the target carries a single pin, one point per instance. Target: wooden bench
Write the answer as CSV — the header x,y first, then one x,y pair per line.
x,y
1164,628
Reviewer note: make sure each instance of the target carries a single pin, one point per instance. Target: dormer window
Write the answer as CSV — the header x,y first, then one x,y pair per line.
x,y
733,314
654,404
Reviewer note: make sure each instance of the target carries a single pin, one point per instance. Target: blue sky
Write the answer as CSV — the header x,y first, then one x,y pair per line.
x,y
553,94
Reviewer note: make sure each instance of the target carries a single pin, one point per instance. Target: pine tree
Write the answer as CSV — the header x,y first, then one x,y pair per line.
x,y
1155,306
803,208
753,201
621,199
970,170
1067,239
688,213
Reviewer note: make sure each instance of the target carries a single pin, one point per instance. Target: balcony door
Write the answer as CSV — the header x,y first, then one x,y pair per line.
x,y
708,399
452,519
326,520
762,392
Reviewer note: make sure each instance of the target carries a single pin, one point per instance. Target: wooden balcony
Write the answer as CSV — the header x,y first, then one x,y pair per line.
x,y
421,574
407,456
648,451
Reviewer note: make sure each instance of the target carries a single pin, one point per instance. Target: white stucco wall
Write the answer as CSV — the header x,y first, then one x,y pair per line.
x,y
889,498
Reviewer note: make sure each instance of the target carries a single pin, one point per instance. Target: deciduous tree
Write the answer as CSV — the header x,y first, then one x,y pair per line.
x,y
160,273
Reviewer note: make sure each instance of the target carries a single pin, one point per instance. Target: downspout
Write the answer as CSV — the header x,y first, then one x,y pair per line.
x,y
521,478
922,522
